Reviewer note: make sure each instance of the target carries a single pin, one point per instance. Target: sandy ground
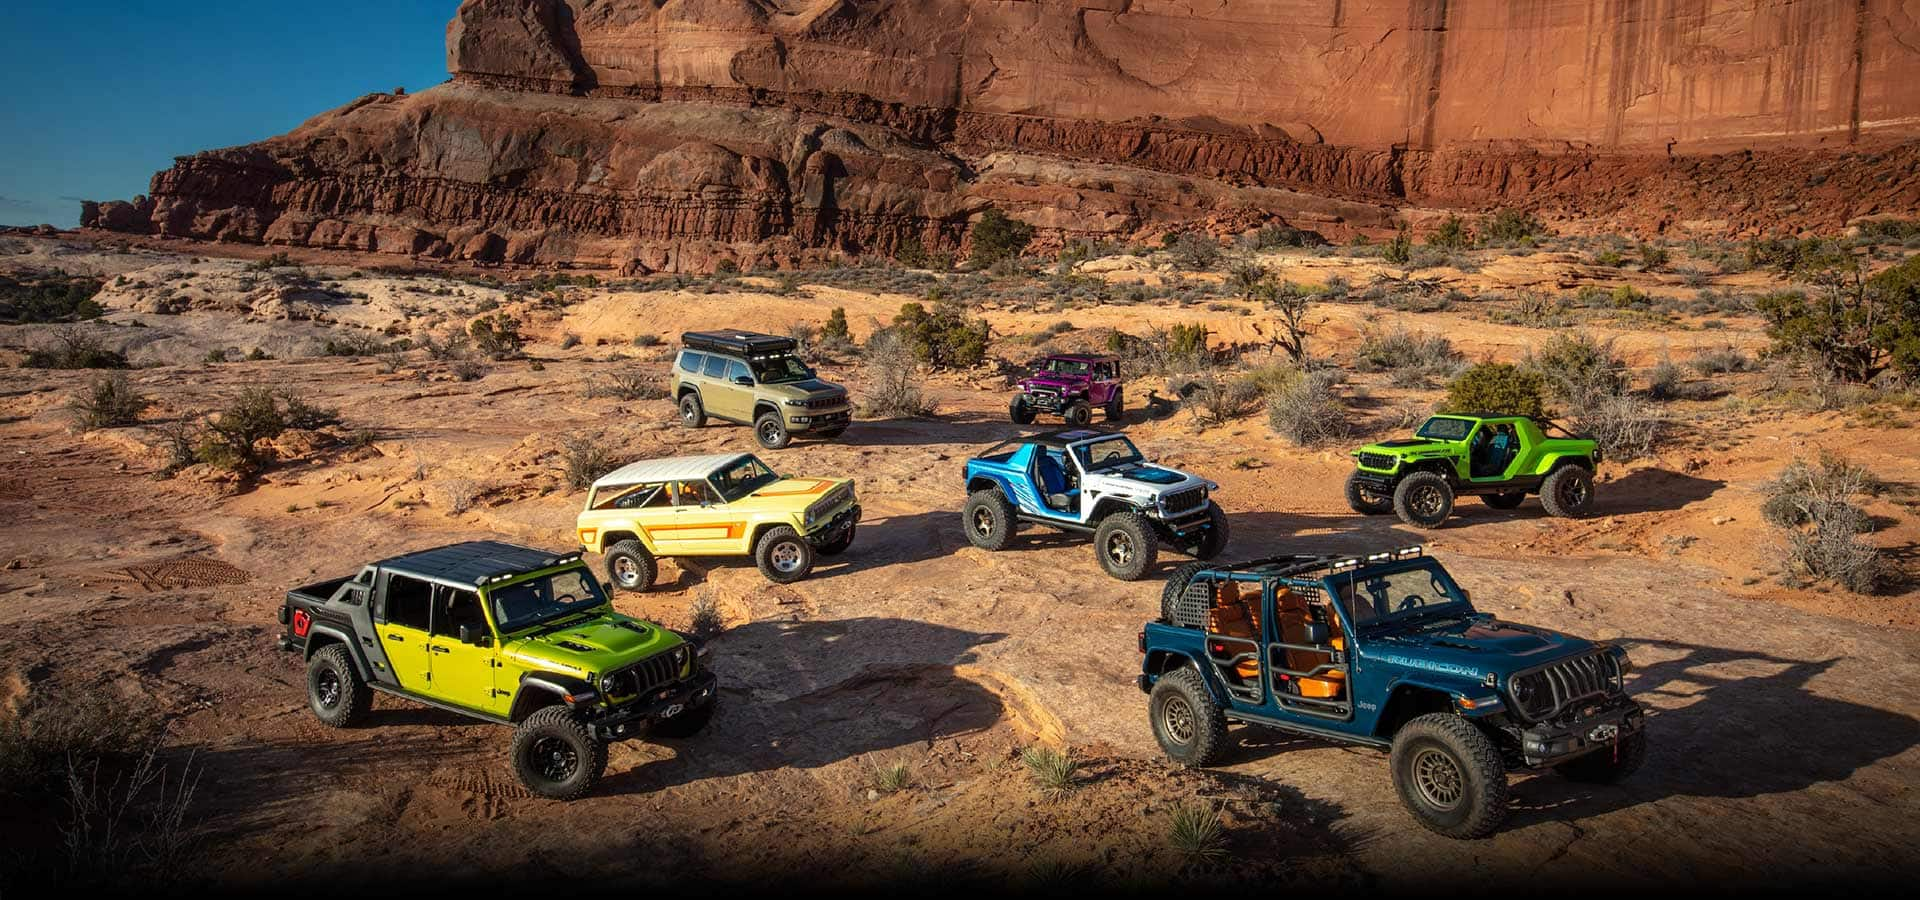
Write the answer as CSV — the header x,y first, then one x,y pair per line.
x,y
1783,719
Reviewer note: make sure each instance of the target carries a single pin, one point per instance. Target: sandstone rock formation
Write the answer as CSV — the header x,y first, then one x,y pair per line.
x,y
671,133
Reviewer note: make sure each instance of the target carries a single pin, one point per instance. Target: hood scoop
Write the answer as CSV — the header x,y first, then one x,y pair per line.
x,y
634,627
575,647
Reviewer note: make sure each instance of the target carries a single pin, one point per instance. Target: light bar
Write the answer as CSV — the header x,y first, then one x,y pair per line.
x,y
1383,556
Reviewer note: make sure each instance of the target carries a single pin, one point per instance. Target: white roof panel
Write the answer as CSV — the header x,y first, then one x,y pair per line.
x,y
678,468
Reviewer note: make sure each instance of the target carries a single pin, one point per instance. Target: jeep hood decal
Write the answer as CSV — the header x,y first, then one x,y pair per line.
x,y
1151,475
1484,640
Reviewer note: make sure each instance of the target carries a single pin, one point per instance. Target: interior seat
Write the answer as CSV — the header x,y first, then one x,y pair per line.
x,y
1234,618
1295,614
1053,482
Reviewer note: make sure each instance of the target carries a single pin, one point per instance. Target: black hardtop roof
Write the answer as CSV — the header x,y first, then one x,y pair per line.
x,y
1307,565
737,342
1085,357
475,562
1066,436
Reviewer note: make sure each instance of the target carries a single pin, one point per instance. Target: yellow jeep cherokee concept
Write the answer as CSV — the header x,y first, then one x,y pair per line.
x,y
726,504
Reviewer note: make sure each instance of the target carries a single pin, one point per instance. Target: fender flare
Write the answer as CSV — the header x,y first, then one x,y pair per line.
x,y
1180,659
1555,461
353,649
1455,690
537,685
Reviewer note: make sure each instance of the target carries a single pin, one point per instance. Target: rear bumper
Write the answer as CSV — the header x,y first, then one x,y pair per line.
x,y
1554,743
625,721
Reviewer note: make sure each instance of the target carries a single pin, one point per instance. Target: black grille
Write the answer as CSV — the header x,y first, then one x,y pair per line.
x,y
1185,501
649,674
1376,461
1545,692
826,402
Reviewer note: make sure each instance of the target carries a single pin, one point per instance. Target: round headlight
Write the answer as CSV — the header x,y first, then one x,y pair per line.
x,y
606,684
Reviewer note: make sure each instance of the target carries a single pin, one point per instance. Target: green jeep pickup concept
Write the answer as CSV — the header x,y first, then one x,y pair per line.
x,y
507,634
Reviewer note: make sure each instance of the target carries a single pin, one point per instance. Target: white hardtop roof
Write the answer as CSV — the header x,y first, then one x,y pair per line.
x,y
679,468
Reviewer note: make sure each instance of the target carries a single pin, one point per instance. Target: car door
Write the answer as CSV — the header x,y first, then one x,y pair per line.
x,y
402,622
1234,638
462,673
702,521
720,396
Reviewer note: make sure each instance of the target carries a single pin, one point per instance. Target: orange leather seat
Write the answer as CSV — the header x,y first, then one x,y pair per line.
x,y
1294,617
1230,617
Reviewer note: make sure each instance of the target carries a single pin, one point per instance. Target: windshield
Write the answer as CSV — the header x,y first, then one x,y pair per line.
x,y
1106,453
1440,428
1066,367
743,478
781,370
536,600
1376,597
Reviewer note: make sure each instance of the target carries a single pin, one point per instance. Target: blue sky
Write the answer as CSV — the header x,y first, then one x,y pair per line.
x,y
98,96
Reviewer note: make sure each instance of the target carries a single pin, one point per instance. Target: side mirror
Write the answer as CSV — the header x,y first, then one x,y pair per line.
x,y
1317,633
743,380
474,636
1466,595
606,588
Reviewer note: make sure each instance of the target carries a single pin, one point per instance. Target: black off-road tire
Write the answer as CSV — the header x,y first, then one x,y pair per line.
x,y
1608,765
1116,406
1363,500
1185,720
336,693
1078,413
1508,500
837,547
688,723
783,556
1568,492
1439,756
771,431
1126,545
556,756
630,566
1213,541
1019,411
693,413
1177,583
988,519
1423,500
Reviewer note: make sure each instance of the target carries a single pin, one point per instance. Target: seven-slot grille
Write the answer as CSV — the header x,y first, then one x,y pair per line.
x,y
1544,692
649,674
1185,501
827,402
1376,460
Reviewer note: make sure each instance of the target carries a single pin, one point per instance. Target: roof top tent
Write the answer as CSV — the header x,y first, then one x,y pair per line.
x,y
742,343
476,562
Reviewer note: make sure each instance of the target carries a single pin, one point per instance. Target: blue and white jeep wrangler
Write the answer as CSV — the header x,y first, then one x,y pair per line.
x,y
1091,482
1386,651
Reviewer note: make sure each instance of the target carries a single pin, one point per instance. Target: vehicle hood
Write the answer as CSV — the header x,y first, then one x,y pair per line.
x,y
1408,447
1473,647
1144,480
789,494
1056,381
811,388
600,644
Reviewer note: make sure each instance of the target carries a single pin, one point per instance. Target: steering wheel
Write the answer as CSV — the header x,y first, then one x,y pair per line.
x,y
565,600
1410,601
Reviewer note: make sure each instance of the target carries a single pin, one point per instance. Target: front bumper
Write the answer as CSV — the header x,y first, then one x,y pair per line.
x,y
809,420
1050,401
1378,480
836,527
626,720
1188,524
1596,728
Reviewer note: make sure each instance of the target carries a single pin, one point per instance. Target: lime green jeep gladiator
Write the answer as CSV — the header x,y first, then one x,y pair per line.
x,y
507,634
1500,458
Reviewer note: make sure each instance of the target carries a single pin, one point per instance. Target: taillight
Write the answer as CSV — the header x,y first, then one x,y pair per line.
x,y
1143,640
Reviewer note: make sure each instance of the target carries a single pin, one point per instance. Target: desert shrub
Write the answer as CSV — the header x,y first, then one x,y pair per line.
x,y
44,731
569,341
647,339
1814,507
1194,251
1179,349
128,828
1653,257
1195,832
458,494
1412,356
997,236
497,335
354,344
629,385
75,347
893,777
179,440
1309,411
468,369
1451,235
944,337
1579,368
704,618
1512,226
1273,237
1056,772
836,328
1245,276
278,260
450,344
1218,399
57,297
108,401
1665,381
893,376
1623,426
1497,388
1290,307
583,459
299,413
1399,250
1722,361
1852,326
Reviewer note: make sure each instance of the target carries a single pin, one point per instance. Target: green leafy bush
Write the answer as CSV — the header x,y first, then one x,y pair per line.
x,y
1451,235
1852,327
109,401
1399,250
56,297
1497,388
497,335
945,336
1512,226
1194,251
997,236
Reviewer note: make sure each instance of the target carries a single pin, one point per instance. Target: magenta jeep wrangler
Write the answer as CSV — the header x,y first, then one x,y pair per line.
x,y
1070,386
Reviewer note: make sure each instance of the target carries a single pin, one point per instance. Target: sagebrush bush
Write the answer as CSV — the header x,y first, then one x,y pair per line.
x,y
1219,399
497,335
1194,251
1623,426
1814,506
1492,387
1725,360
1579,368
42,732
629,385
1412,356
893,376
945,336
1309,411
108,401
75,347
584,458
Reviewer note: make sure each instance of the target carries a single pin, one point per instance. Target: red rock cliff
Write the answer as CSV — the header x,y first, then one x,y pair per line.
x,y
681,131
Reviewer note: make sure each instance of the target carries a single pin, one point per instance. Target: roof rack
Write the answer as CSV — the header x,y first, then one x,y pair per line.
x,y
1291,564
744,343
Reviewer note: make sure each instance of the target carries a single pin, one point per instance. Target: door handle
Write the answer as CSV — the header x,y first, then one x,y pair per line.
x,y
396,638
438,649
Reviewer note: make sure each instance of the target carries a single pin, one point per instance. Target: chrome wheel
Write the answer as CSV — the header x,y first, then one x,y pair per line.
x,y
1176,720
554,759
1438,778
626,571
769,433
786,556
326,688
